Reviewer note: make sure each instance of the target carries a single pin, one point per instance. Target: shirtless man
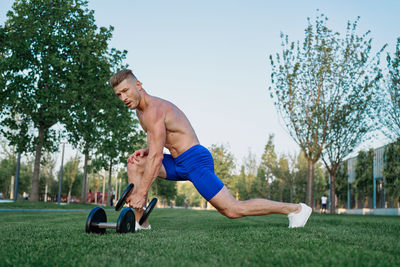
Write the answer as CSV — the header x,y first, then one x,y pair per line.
x,y
167,126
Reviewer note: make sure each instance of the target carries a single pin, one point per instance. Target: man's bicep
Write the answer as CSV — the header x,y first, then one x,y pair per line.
x,y
156,136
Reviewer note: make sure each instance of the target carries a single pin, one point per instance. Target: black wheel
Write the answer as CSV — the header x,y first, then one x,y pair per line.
x,y
96,215
126,221
123,197
148,210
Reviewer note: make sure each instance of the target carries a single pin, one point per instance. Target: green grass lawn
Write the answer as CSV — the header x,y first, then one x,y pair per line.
x,y
193,238
26,204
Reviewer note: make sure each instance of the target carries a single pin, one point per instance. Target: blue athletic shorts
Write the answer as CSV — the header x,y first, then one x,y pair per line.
x,y
196,165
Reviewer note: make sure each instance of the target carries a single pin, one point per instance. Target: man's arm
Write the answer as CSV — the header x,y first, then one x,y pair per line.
x,y
156,136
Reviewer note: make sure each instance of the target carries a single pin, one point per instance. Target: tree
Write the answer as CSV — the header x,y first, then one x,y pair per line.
x,y
389,107
276,188
94,64
341,182
192,196
166,190
224,165
240,185
283,175
321,88
352,97
287,174
7,169
70,174
364,175
250,173
321,181
269,161
260,186
37,63
119,137
391,171
301,167
8,163
47,175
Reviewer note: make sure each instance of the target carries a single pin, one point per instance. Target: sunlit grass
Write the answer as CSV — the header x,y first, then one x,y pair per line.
x,y
191,237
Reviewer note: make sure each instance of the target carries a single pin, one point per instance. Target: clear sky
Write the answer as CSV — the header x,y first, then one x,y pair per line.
x,y
210,58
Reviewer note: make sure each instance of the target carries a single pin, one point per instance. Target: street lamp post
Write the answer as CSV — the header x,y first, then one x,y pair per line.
x,y
19,122
61,174
17,176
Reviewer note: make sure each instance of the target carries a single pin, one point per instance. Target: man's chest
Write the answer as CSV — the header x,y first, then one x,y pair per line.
x,y
142,120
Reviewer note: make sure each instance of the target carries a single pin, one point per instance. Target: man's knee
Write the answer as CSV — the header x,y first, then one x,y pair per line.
x,y
136,166
232,212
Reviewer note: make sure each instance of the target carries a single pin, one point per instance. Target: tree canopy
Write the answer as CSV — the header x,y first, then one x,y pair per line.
x,y
322,89
55,63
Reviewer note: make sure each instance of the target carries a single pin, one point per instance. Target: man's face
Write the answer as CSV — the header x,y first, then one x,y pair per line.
x,y
128,92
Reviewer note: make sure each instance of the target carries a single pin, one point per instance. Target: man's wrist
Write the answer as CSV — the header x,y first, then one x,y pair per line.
x,y
141,192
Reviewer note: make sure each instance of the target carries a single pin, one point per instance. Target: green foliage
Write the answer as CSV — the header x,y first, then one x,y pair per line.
x,y
323,90
269,158
301,167
241,186
180,200
191,196
123,177
7,170
71,176
389,103
259,185
276,190
246,181
119,136
8,163
391,170
321,181
285,174
164,189
47,177
224,164
52,56
341,183
364,175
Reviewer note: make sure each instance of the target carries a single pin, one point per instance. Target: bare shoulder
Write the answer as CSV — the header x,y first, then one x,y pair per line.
x,y
158,108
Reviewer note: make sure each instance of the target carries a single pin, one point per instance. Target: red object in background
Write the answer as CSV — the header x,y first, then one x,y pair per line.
x,y
91,198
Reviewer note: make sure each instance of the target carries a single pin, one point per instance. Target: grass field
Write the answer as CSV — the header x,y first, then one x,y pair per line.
x,y
25,204
198,238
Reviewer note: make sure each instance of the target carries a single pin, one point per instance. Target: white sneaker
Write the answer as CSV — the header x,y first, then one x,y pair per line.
x,y
139,227
299,219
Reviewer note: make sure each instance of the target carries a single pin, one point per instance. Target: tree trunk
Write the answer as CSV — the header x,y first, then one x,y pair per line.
x,y
104,188
36,168
46,191
310,184
291,193
109,194
85,177
333,196
69,193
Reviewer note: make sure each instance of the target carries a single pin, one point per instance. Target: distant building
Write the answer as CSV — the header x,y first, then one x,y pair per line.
x,y
378,165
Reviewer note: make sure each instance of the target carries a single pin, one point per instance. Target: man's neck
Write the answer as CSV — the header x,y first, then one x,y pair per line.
x,y
144,102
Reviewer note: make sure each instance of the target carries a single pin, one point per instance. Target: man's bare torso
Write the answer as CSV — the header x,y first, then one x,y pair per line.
x,y
180,135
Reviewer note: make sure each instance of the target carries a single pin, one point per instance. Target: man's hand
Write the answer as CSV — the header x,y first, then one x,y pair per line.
x,y
135,157
136,200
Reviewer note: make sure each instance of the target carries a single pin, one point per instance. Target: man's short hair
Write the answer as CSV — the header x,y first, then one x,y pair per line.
x,y
121,75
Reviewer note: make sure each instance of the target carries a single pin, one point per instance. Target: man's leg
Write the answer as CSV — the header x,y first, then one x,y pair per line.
x,y
135,174
227,205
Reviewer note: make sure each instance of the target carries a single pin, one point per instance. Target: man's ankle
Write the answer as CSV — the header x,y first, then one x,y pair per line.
x,y
297,208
